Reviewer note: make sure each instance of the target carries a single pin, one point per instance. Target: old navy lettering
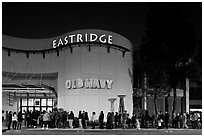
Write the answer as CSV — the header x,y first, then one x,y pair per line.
x,y
88,84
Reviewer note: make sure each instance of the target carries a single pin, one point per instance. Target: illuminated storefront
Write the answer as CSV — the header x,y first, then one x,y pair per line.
x,y
90,67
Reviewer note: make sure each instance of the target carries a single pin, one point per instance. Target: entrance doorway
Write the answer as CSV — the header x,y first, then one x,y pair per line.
x,y
39,104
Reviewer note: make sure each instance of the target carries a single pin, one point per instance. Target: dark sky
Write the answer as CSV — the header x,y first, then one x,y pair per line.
x,y
44,20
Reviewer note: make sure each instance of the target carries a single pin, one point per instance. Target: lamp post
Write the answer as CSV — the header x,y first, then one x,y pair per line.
x,y
144,102
122,109
112,100
121,105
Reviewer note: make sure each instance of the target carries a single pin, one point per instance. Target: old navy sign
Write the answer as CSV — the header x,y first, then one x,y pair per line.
x,y
82,38
89,84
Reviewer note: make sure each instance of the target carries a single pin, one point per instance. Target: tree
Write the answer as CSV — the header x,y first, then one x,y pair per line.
x,y
168,45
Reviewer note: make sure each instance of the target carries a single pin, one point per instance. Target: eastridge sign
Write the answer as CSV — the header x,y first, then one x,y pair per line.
x,y
72,38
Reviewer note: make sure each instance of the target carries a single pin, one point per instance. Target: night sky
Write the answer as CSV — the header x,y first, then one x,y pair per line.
x,y
45,20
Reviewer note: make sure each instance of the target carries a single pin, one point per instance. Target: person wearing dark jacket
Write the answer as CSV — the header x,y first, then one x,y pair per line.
x,y
20,119
109,121
57,117
28,118
101,120
9,120
116,118
71,119
34,118
160,120
64,118
80,117
178,119
86,119
166,119
133,121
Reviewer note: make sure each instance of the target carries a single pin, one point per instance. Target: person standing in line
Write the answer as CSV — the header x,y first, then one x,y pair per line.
x,y
6,118
71,119
101,120
57,118
128,121
83,120
31,118
112,119
124,119
133,121
146,119
174,121
64,119
86,119
153,120
93,120
177,118
35,118
184,121
166,119
9,119
119,120
28,118
24,117
137,123
20,119
196,120
160,120
181,120
40,119
116,119
46,119
52,122
108,123
3,116
14,120
80,117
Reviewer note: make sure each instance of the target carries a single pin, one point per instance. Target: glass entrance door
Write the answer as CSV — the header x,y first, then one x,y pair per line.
x,y
39,104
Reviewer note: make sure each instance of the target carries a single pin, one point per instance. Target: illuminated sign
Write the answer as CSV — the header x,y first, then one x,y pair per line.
x,y
88,84
82,38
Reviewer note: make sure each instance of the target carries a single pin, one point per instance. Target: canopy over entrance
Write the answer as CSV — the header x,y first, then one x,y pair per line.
x,y
29,91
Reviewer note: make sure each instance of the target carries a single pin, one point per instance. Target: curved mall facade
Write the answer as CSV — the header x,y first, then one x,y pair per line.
x,y
90,67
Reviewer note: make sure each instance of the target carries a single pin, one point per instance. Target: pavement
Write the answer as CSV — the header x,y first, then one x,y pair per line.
x,y
89,131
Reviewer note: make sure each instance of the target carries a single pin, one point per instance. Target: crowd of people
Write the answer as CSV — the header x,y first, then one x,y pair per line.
x,y
60,118
14,119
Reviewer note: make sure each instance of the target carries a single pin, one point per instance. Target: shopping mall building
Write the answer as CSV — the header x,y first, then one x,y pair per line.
x,y
82,70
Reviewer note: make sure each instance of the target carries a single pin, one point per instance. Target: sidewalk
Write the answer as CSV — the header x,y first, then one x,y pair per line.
x,y
4,129
89,131
97,129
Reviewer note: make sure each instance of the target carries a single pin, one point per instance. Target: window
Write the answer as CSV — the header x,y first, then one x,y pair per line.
x,y
30,108
24,101
24,108
43,102
49,102
37,108
37,102
49,109
30,102
43,109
